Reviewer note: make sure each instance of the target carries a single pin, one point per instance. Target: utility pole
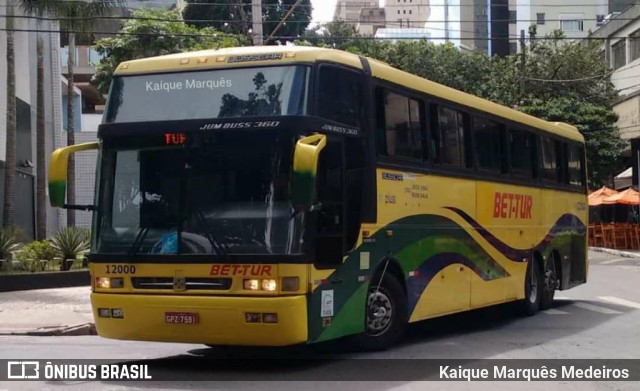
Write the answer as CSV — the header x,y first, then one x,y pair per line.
x,y
256,16
284,19
446,20
523,63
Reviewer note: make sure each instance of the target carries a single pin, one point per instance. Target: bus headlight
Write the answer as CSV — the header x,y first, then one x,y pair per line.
x,y
251,285
269,285
103,282
109,282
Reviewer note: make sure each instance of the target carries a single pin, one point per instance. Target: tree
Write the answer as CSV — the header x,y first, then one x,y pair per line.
x,y
444,64
10,157
343,36
564,81
154,33
597,125
570,82
234,16
41,174
75,17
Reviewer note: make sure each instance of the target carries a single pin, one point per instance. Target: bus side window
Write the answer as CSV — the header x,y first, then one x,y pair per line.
x,y
549,160
490,148
452,135
399,131
340,95
574,161
522,150
330,216
561,159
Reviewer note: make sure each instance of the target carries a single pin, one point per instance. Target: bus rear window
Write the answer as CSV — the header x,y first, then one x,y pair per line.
x,y
249,92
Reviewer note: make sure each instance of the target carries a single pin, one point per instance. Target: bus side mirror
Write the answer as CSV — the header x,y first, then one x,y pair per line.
x,y
58,175
305,167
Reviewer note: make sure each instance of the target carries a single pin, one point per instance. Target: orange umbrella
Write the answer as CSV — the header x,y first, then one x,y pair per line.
x,y
597,197
627,197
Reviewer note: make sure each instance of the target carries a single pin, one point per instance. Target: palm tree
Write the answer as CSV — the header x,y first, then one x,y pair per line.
x,y
74,17
10,158
41,175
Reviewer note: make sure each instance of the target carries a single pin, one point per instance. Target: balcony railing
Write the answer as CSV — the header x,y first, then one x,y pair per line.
x,y
85,57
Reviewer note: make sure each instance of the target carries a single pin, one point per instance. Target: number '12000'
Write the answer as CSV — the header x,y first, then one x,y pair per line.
x,y
121,269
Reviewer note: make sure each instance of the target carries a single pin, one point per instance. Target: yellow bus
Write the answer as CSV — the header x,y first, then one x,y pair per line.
x,y
282,195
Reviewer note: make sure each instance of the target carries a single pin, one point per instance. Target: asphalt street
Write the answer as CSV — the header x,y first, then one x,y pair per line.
x,y
598,320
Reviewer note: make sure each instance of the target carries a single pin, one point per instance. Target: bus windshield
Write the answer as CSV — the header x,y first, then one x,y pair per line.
x,y
248,92
230,196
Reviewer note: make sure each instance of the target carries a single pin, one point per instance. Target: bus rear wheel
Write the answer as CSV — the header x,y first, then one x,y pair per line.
x,y
532,288
550,284
386,315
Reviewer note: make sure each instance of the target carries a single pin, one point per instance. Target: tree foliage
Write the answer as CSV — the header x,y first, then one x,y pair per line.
x,y
235,16
570,82
145,37
565,81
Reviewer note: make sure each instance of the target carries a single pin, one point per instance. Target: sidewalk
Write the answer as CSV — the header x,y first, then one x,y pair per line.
x,y
58,311
67,311
620,253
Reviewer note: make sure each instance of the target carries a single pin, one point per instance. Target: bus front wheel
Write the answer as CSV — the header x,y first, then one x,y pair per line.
x,y
386,314
533,286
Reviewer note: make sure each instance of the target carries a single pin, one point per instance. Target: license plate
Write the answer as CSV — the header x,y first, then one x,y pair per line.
x,y
181,317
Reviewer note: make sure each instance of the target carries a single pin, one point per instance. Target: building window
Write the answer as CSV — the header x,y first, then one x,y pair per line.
x,y
512,17
540,18
599,20
572,25
619,53
634,44
571,22
398,12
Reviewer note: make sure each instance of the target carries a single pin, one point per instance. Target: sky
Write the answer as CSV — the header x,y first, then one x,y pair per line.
x,y
323,10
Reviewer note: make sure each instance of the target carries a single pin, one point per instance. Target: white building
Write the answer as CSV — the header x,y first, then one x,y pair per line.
x,y
406,13
25,67
576,18
621,47
395,34
349,10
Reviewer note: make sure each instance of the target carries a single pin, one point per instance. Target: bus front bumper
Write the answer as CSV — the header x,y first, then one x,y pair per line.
x,y
220,320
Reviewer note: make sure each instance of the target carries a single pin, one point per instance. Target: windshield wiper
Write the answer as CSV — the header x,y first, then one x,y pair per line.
x,y
217,246
135,247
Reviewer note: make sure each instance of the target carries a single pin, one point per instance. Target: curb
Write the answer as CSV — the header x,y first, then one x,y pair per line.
x,y
625,254
46,280
75,330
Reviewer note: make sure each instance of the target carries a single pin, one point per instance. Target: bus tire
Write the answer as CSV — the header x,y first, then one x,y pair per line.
x,y
532,288
385,315
549,285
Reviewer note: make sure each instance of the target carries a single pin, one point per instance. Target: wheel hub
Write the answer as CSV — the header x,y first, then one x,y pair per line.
x,y
533,286
379,312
